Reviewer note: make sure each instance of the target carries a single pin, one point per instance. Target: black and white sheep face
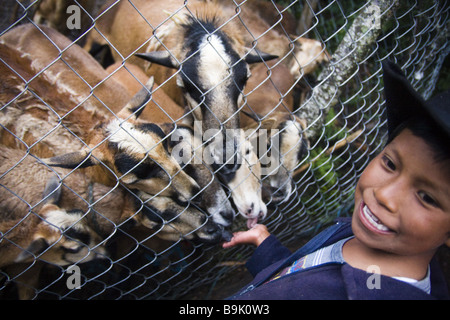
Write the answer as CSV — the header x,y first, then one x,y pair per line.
x,y
137,155
212,76
174,221
245,184
142,161
187,149
135,152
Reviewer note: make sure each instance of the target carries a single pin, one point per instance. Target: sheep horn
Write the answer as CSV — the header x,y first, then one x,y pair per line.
x,y
137,104
259,56
163,58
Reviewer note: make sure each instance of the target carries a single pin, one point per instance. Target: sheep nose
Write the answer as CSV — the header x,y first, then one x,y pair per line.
x,y
214,233
278,194
250,210
226,236
196,198
195,190
227,215
261,214
231,167
212,229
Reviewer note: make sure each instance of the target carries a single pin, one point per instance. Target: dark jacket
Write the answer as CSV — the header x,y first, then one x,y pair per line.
x,y
328,281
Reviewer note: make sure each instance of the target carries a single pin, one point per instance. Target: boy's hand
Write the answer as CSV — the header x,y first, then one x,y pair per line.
x,y
255,236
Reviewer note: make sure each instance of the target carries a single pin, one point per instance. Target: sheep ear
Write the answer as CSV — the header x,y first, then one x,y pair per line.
x,y
163,58
35,248
136,105
302,122
258,56
52,191
267,123
78,159
177,18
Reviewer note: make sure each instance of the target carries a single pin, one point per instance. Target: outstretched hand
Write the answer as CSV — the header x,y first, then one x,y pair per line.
x,y
255,236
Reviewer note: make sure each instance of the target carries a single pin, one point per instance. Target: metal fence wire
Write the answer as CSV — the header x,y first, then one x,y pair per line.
x,y
137,135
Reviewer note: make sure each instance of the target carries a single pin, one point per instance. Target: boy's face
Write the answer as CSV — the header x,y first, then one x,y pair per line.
x,y
402,200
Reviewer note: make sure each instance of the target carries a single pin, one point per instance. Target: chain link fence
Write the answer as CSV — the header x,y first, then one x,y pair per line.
x,y
130,216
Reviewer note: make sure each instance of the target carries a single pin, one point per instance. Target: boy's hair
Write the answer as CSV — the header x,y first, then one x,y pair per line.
x,y
426,129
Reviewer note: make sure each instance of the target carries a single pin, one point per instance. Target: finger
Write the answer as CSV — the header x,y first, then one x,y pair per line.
x,y
230,244
238,238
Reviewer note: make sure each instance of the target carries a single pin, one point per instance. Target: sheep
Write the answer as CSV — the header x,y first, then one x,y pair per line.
x,y
68,67
109,141
24,118
104,209
272,100
22,178
275,33
161,109
196,48
268,90
211,96
244,184
45,233
308,54
120,159
49,232
287,147
269,106
26,50
186,147
108,211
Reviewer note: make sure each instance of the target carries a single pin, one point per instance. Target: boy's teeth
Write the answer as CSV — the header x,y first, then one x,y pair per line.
x,y
374,221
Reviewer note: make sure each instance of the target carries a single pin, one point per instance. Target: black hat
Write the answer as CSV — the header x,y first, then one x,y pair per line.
x,y
403,102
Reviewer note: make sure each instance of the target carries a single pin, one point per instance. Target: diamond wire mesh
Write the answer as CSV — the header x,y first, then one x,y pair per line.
x,y
348,133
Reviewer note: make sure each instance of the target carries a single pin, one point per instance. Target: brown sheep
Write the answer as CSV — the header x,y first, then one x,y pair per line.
x,y
91,125
287,147
275,33
48,232
38,231
269,90
211,68
104,209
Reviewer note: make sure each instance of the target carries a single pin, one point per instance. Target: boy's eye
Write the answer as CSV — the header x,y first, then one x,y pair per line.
x,y
427,199
388,163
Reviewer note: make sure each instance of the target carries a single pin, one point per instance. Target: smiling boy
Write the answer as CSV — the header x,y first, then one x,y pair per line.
x,y
401,217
